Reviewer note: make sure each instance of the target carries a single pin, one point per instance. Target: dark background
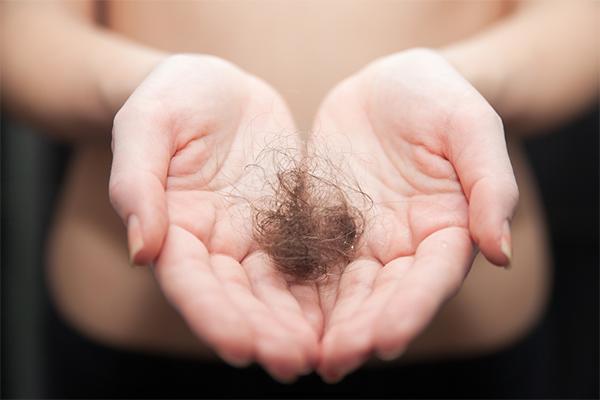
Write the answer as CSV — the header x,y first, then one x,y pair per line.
x,y
566,166
32,167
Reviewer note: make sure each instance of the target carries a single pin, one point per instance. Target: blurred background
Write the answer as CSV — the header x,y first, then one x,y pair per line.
x,y
31,170
565,162
567,169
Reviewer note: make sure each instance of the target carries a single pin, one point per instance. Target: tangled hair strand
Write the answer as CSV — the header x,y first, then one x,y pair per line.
x,y
313,218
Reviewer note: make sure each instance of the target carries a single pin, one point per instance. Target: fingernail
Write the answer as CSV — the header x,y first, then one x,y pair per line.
x,y
390,355
134,238
506,244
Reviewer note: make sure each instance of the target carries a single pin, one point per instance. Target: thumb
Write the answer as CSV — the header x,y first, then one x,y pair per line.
x,y
141,156
481,160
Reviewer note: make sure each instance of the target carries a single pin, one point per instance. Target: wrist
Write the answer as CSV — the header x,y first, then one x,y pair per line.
x,y
120,70
479,69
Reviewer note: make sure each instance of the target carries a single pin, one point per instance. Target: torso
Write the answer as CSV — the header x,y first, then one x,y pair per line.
x,y
302,48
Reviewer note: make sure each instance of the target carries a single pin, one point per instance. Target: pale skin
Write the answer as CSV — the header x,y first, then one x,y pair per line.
x,y
421,121
206,267
173,143
233,298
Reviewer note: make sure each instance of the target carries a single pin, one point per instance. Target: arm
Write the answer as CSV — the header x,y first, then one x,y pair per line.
x,y
64,73
538,67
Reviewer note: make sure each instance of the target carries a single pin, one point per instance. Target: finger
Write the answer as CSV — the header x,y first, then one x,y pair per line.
x,y
272,289
491,209
361,298
141,154
185,277
277,346
307,297
481,160
440,266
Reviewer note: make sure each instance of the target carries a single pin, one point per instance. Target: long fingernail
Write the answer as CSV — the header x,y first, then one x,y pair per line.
x,y
134,238
506,244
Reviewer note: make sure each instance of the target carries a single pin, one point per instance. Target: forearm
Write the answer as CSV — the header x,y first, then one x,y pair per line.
x,y
538,67
65,74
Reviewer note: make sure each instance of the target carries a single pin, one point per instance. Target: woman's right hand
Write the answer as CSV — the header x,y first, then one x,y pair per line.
x,y
181,141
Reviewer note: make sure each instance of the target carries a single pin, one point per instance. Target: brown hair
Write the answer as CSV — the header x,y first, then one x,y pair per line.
x,y
314,216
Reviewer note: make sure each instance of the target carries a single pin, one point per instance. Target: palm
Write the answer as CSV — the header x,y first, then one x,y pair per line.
x,y
207,121
181,146
418,247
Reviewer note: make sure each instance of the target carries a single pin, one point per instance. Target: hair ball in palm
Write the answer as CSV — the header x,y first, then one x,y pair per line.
x,y
312,220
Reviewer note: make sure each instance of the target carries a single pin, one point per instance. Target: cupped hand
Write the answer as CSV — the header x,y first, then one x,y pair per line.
x,y
181,144
439,175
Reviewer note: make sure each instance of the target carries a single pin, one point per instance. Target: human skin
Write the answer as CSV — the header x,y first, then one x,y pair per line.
x,y
431,134
112,95
196,147
424,190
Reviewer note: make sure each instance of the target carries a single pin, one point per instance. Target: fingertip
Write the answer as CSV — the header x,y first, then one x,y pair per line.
x,y
506,245
329,373
144,246
391,344
333,375
342,357
285,370
286,379
240,360
390,354
236,349
498,249
490,211
282,370
147,221
135,239
332,379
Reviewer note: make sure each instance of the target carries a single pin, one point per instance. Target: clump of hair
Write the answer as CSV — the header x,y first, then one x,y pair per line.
x,y
313,218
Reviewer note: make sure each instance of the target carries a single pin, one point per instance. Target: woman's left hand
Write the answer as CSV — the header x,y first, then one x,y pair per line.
x,y
439,174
